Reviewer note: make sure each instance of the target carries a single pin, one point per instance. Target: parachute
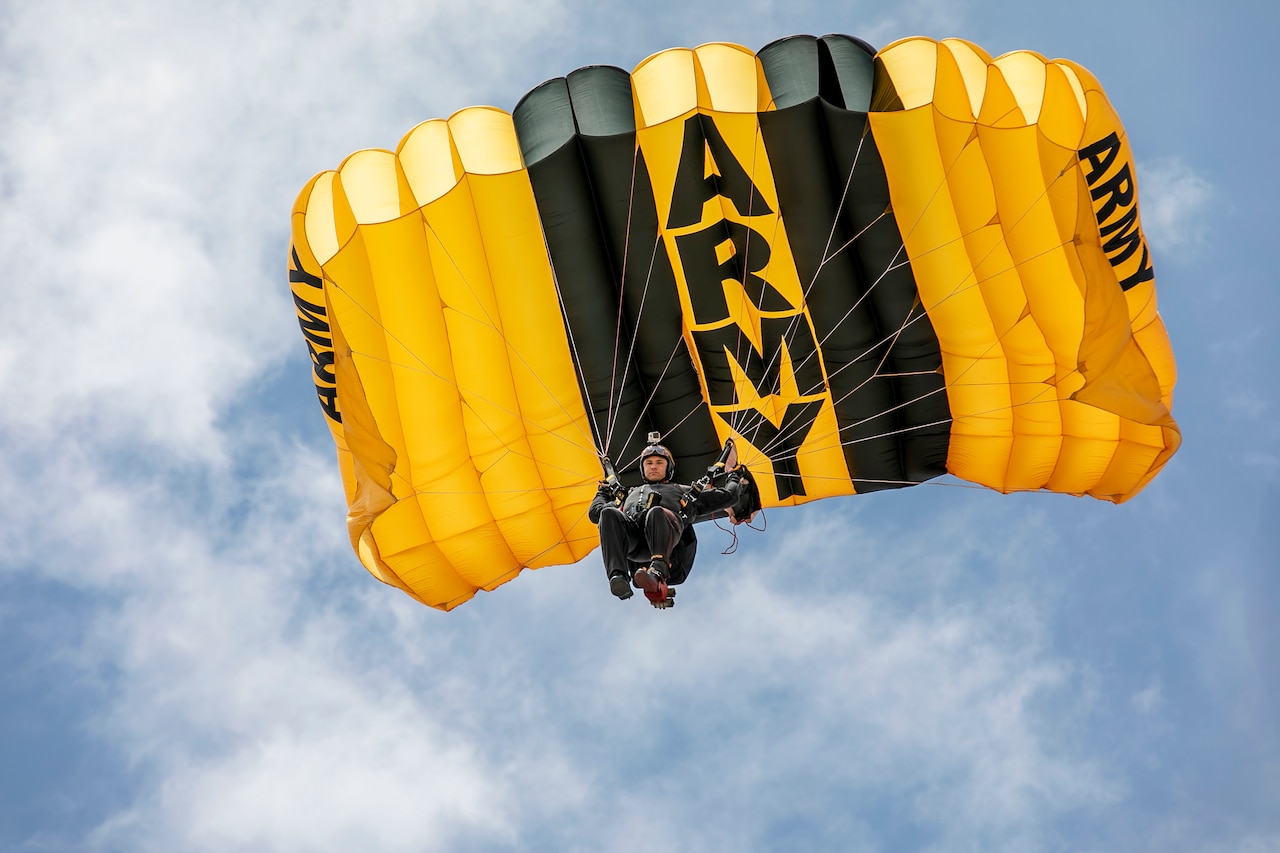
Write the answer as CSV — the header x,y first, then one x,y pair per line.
x,y
867,268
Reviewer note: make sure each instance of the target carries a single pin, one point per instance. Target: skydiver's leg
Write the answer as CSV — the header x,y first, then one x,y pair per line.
x,y
618,537
662,529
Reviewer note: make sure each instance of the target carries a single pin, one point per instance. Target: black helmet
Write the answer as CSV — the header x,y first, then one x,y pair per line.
x,y
658,450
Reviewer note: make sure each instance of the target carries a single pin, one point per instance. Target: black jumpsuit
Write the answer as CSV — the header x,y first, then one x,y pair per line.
x,y
650,524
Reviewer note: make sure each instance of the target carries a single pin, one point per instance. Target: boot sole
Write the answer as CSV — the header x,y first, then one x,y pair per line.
x,y
645,581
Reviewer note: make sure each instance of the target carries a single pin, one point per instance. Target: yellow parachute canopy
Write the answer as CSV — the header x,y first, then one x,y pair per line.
x,y
868,269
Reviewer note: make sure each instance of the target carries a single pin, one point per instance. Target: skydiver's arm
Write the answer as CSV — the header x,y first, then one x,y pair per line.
x,y
714,500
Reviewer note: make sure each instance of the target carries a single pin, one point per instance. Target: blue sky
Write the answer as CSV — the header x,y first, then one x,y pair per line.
x,y
192,659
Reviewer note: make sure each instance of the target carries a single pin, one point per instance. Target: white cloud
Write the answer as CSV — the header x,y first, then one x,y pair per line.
x,y
150,156
272,696
1149,699
316,758
1175,202
241,690
938,698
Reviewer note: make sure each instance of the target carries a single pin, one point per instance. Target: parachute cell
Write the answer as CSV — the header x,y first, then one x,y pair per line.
x,y
868,269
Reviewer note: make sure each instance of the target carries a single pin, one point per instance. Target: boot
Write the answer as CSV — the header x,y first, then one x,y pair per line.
x,y
650,577
620,586
653,580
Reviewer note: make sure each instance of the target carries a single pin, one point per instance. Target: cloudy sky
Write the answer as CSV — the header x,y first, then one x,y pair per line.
x,y
191,658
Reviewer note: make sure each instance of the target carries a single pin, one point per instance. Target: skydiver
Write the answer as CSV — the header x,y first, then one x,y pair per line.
x,y
646,532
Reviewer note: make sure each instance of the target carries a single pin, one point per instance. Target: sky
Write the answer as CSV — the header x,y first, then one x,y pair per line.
x,y
191,658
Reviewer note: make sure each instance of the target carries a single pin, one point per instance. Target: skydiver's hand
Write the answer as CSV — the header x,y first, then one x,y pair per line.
x,y
610,491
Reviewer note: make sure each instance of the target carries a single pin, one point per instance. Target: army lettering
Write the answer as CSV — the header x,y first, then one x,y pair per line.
x,y
315,328
728,242
1111,187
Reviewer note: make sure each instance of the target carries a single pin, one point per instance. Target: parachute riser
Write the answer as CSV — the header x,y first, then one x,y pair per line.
x,y
717,468
611,482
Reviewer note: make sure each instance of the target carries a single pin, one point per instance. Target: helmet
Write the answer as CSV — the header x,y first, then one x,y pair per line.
x,y
658,450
